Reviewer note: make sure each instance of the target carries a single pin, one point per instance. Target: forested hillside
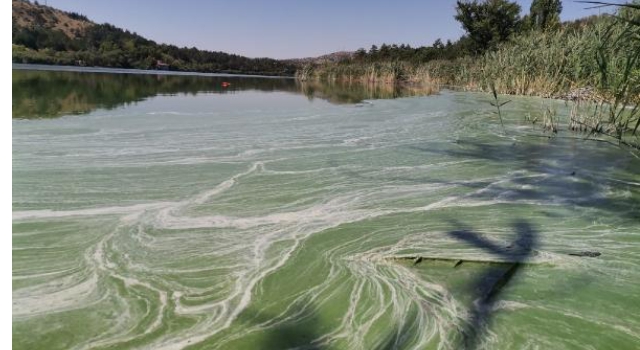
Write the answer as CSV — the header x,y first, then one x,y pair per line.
x,y
42,34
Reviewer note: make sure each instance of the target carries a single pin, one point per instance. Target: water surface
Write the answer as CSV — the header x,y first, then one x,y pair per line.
x,y
159,212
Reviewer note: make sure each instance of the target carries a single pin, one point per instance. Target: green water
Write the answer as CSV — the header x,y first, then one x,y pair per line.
x,y
158,212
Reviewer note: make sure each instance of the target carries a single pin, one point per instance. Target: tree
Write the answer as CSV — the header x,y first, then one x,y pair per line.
x,y
384,51
360,54
545,14
488,22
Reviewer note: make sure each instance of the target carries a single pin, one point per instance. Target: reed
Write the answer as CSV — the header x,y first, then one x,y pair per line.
x,y
497,104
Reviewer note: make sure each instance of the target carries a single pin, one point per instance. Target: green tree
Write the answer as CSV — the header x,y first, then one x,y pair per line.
x,y
373,52
360,54
488,22
545,14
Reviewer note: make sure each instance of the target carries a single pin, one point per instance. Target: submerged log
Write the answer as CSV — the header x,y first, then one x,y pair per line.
x,y
416,259
587,254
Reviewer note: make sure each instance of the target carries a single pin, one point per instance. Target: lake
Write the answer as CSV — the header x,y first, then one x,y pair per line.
x,y
155,211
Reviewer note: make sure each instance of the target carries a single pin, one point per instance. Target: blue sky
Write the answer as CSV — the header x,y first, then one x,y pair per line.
x,y
285,28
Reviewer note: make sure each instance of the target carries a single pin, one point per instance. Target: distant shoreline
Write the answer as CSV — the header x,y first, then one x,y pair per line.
x,y
47,67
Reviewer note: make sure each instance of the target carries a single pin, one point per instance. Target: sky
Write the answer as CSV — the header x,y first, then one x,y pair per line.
x,y
285,28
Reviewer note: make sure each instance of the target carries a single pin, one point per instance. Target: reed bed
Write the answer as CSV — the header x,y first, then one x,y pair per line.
x,y
536,63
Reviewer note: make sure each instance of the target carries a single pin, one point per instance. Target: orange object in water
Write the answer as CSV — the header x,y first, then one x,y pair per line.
x,y
225,83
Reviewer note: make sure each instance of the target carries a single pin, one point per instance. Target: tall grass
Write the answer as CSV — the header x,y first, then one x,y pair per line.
x,y
535,63
618,59
546,63
377,72
542,63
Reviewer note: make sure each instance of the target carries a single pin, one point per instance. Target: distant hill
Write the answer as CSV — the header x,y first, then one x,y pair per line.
x,y
43,34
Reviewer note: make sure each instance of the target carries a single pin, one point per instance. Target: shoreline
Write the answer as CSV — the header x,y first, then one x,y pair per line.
x,y
577,94
110,70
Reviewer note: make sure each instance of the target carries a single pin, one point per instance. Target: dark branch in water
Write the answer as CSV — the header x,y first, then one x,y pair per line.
x,y
587,254
417,259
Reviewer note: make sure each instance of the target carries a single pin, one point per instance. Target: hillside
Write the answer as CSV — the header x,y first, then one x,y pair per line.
x,y
26,14
43,34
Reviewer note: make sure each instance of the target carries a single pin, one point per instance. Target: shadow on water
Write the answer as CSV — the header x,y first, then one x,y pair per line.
x,y
489,285
304,328
262,330
304,332
550,172
556,172
300,335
